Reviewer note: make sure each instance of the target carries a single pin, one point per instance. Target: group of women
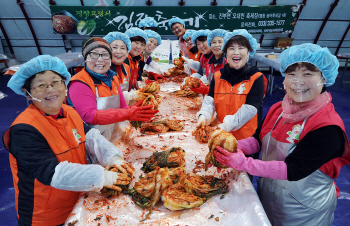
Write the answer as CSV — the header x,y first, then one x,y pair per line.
x,y
302,139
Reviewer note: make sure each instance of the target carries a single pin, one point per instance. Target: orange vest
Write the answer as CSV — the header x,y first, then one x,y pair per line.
x,y
134,68
132,64
103,90
195,57
125,73
52,206
228,99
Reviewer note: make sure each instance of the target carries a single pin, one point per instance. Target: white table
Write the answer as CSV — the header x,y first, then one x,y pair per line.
x,y
345,56
240,206
71,60
274,64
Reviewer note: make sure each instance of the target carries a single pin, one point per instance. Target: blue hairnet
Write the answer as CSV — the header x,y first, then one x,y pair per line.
x,y
176,20
148,22
153,34
252,41
134,31
198,33
217,32
112,36
314,54
188,34
34,66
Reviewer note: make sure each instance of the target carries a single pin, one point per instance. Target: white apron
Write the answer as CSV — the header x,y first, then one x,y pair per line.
x,y
105,103
310,201
125,85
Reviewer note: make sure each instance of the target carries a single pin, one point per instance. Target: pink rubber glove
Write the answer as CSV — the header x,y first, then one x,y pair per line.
x,y
249,145
269,169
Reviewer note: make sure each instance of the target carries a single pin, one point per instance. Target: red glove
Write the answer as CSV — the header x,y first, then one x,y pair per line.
x,y
132,113
147,81
202,89
140,113
133,80
155,76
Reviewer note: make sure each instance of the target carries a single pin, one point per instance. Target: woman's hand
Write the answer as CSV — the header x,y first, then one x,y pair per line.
x,y
202,89
140,113
111,179
234,160
185,59
269,169
155,76
119,164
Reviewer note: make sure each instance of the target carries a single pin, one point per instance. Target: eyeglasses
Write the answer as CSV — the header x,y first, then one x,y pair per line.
x,y
95,56
54,84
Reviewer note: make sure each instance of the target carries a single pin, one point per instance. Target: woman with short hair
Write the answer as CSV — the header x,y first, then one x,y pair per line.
x,y
302,140
237,90
96,94
50,147
138,39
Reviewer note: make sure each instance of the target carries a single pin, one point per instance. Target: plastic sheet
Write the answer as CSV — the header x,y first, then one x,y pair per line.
x,y
71,59
274,63
2,95
240,206
345,55
3,57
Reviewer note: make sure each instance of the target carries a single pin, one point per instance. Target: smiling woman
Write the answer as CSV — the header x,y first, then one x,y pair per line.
x,y
216,41
303,82
302,141
199,38
121,46
237,91
139,40
96,94
47,91
47,142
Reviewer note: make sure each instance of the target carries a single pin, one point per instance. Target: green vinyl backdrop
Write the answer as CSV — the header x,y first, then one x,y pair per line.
x,y
90,20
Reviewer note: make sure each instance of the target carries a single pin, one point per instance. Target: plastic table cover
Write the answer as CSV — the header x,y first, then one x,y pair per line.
x,y
274,63
240,206
345,55
71,59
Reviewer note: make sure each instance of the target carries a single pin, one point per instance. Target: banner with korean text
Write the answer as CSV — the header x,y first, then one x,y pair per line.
x,y
90,20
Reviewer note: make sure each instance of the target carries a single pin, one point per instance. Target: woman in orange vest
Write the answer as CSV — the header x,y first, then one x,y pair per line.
x,y
215,42
154,40
199,38
302,140
237,90
193,54
138,39
120,45
96,94
47,144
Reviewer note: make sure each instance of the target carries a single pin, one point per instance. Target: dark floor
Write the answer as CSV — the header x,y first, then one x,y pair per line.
x,y
12,105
